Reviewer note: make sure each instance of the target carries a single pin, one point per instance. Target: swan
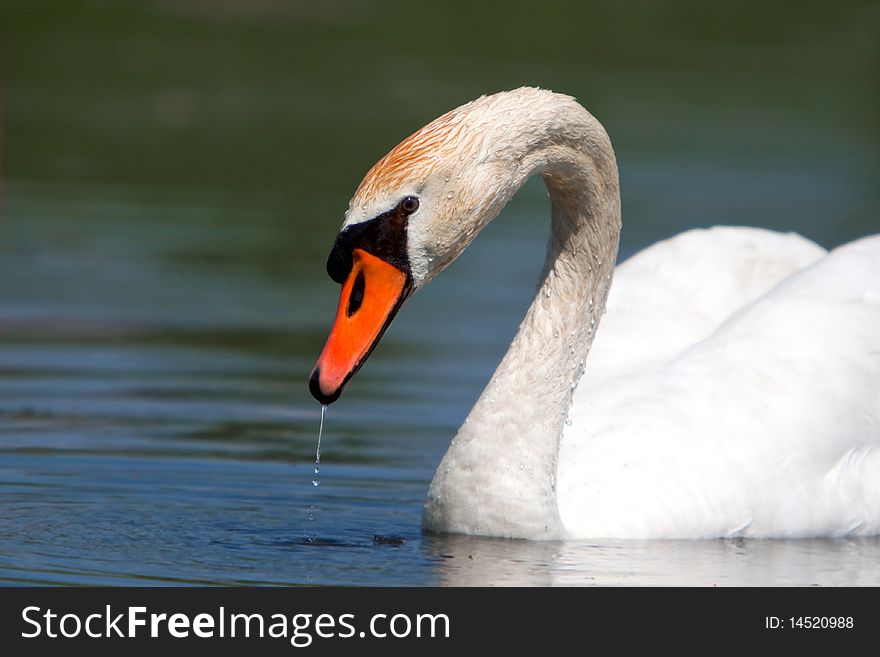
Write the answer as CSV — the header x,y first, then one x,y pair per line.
x,y
733,391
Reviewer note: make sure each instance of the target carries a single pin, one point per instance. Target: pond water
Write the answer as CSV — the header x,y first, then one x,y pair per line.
x,y
163,295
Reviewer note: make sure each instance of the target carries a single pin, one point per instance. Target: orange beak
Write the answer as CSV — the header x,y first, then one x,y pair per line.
x,y
370,297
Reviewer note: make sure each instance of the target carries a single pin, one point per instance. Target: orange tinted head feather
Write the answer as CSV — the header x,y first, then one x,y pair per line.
x,y
413,158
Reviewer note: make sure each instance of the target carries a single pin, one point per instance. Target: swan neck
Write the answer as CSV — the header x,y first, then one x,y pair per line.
x,y
499,474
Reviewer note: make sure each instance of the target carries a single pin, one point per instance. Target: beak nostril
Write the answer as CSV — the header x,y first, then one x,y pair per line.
x,y
356,298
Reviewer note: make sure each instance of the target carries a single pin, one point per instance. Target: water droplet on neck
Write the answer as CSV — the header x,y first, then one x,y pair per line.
x,y
450,195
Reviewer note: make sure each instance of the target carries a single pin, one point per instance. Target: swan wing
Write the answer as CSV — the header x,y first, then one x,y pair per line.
x,y
767,426
677,292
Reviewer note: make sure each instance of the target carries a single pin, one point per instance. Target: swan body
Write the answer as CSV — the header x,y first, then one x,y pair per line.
x,y
732,390
766,425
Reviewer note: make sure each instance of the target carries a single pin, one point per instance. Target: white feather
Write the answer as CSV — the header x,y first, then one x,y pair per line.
x,y
766,424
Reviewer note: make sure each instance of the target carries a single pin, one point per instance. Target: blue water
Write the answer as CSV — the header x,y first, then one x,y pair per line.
x,y
156,426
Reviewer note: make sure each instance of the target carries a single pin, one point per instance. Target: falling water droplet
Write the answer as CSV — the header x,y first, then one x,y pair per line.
x,y
568,422
311,535
316,481
446,177
555,333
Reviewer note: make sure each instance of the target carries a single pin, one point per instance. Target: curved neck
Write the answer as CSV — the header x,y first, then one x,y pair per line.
x,y
499,475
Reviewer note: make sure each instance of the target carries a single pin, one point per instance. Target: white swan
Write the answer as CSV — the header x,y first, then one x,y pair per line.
x,y
733,390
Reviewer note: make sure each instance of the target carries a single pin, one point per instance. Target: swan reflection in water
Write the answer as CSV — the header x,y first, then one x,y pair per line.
x,y
475,561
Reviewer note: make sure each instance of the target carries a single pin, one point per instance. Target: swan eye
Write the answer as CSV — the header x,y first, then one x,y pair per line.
x,y
410,204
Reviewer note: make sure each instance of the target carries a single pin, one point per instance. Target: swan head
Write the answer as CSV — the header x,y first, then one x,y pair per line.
x,y
414,212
